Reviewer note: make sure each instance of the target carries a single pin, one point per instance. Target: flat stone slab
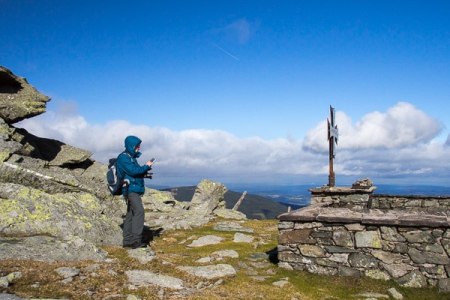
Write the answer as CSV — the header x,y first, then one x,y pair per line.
x,y
143,278
338,215
143,255
318,213
336,190
206,240
210,272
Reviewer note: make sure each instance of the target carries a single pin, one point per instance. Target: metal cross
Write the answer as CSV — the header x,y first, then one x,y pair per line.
x,y
333,134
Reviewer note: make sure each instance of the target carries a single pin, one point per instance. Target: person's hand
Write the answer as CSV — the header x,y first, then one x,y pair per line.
x,y
149,163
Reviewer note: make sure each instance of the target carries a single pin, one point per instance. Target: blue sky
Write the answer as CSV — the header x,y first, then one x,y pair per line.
x,y
239,91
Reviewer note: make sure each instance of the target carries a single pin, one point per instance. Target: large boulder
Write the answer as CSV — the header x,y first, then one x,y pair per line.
x,y
164,211
27,211
18,99
208,196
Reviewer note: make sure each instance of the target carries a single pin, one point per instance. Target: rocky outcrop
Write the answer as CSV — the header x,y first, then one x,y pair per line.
x,y
49,190
54,192
18,99
206,204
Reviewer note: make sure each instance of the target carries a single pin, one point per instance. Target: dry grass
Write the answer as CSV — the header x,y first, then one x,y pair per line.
x,y
109,281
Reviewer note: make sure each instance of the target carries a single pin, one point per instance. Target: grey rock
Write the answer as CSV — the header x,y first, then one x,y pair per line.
x,y
368,239
296,236
347,271
225,253
377,274
229,214
337,249
311,251
421,257
211,271
395,294
143,255
18,99
208,196
67,272
419,236
388,257
343,238
242,238
285,225
397,270
373,295
360,260
258,256
144,278
413,279
28,211
4,283
444,285
206,240
355,227
341,258
280,283
391,234
45,248
69,155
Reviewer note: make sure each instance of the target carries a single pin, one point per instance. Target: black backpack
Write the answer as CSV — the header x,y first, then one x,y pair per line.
x,y
115,182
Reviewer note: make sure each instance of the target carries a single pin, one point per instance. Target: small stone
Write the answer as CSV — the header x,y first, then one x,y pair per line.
x,y
373,295
242,238
4,283
280,283
66,272
444,285
204,260
143,278
210,272
395,294
206,240
225,253
368,239
413,279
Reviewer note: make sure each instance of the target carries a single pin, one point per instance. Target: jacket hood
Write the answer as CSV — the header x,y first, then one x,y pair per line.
x,y
130,145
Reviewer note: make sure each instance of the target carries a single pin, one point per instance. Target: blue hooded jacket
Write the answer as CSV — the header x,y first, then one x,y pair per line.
x,y
127,165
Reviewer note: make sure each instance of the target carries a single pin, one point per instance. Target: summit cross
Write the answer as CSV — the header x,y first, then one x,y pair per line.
x,y
333,134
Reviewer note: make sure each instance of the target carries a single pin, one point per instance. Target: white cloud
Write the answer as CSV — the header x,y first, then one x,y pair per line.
x,y
398,142
401,126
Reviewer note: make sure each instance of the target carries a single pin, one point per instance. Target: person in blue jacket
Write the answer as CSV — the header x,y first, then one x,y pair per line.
x,y
133,174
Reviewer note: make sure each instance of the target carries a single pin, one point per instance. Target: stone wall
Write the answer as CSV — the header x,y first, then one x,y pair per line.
x,y
351,232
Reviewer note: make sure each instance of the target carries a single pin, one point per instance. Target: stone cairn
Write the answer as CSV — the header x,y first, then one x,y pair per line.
x,y
353,232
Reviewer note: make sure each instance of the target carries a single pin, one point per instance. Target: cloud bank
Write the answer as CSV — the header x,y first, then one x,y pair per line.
x,y
400,142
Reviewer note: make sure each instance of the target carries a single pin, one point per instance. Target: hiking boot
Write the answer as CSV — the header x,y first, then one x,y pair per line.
x,y
136,245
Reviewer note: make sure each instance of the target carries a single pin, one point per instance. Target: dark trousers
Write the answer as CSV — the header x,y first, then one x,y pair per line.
x,y
133,224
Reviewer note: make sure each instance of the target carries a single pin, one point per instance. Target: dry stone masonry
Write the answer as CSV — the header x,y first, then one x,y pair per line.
x,y
353,232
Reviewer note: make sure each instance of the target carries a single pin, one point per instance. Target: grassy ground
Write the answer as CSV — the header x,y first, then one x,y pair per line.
x,y
109,281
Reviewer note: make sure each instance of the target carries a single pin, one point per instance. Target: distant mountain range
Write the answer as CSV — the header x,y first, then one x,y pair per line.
x,y
253,206
267,202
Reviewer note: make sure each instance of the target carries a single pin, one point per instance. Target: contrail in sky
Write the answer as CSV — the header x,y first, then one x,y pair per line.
x,y
226,52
